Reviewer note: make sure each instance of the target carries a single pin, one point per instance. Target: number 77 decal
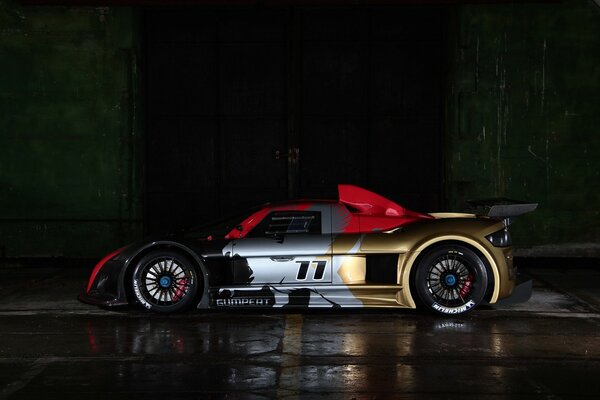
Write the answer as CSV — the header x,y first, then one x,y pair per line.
x,y
303,269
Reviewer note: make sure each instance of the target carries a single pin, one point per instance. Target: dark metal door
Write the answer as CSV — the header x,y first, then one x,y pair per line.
x,y
253,104
216,113
372,102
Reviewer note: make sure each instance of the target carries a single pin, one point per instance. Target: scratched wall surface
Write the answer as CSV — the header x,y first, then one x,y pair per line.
x,y
524,118
523,97
69,173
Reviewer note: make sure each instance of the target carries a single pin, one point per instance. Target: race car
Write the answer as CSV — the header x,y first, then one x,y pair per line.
x,y
361,250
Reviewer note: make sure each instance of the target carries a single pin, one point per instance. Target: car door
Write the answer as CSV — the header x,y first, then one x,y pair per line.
x,y
287,247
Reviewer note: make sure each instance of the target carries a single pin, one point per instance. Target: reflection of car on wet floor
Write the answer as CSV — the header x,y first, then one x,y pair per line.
x,y
361,250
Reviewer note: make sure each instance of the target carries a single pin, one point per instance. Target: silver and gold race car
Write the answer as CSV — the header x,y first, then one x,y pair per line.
x,y
361,250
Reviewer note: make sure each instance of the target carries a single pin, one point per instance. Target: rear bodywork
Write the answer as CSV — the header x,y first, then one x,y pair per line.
x,y
360,251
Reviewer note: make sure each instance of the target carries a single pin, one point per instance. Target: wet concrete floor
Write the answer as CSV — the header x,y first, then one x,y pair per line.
x,y
53,347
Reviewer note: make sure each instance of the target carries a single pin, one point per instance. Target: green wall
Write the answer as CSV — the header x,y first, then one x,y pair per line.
x,y
523,112
69,130
523,121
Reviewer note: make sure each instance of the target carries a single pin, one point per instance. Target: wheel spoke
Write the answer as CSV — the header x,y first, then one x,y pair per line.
x,y
173,266
178,281
446,294
447,277
155,269
447,264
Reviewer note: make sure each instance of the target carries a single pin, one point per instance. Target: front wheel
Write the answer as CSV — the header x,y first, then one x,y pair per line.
x,y
165,281
451,279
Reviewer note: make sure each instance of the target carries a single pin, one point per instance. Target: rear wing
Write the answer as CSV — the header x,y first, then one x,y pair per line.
x,y
501,208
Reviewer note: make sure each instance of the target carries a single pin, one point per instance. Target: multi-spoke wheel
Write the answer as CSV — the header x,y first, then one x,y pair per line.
x,y
165,281
451,279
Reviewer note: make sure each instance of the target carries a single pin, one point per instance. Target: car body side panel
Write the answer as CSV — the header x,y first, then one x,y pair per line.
x,y
345,266
109,286
319,296
349,266
350,254
412,240
465,230
290,259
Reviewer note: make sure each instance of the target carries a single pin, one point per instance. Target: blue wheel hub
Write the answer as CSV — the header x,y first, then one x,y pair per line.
x,y
165,282
450,280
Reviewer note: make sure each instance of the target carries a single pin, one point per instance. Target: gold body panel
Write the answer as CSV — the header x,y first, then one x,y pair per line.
x,y
409,242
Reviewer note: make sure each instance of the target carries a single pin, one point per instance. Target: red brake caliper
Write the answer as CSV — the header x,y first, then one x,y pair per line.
x,y
180,289
466,288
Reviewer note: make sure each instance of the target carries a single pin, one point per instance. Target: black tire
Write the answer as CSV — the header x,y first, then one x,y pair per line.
x,y
450,280
165,281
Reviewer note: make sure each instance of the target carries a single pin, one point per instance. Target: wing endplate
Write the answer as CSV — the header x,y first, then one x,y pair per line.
x,y
502,207
511,210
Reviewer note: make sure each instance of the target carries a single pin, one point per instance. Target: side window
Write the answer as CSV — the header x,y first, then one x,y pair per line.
x,y
288,222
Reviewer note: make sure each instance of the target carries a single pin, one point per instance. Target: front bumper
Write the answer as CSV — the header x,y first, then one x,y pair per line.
x,y
102,301
106,286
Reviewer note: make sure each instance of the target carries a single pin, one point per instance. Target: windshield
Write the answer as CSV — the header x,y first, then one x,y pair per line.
x,y
221,227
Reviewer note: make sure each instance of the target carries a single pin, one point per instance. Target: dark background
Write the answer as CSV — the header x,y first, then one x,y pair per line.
x,y
118,122
357,91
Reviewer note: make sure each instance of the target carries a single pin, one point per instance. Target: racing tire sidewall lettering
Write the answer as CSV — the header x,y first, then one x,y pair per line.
x,y
476,265
139,297
453,310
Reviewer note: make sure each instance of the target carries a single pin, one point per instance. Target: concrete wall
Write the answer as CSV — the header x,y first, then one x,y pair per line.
x,y
524,118
69,130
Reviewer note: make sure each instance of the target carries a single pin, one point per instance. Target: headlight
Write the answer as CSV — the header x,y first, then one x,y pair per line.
x,y
500,238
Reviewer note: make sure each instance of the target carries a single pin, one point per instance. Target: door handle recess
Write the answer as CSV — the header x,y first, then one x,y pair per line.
x,y
282,259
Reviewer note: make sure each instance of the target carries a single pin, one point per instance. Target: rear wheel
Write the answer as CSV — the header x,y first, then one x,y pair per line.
x,y
165,281
451,279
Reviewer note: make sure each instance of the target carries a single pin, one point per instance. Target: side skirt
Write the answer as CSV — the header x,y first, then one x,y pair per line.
x,y
316,296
